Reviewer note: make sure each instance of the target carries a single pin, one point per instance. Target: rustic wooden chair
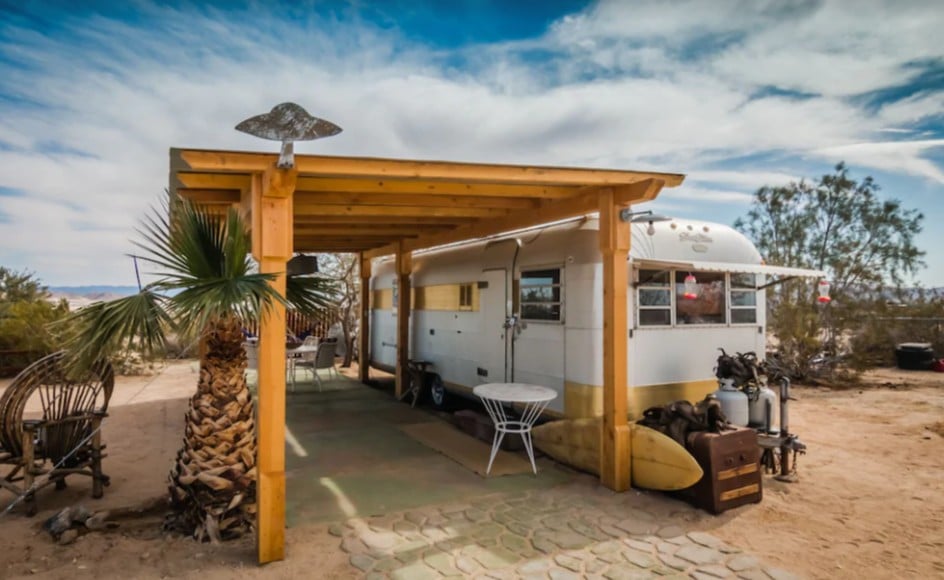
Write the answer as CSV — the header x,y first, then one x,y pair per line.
x,y
64,438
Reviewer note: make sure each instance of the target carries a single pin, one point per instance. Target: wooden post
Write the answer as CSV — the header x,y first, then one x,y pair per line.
x,y
363,337
272,246
404,268
614,245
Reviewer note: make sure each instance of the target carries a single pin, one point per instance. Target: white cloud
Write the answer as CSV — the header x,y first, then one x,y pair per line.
x,y
749,179
626,85
706,194
895,156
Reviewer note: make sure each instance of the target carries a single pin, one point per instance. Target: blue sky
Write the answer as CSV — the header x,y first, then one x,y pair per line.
x,y
734,94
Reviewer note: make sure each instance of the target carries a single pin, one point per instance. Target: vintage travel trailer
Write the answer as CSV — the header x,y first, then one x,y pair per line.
x,y
528,307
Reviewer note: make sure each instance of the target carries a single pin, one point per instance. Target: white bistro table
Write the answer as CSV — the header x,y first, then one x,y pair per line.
x,y
533,398
293,354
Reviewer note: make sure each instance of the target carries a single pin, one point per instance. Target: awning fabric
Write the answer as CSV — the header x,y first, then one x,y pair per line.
x,y
728,267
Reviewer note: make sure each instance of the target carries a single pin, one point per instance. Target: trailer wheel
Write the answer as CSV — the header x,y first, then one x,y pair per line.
x,y
438,395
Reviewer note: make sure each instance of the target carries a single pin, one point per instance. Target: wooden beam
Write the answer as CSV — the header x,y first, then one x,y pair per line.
x,y
330,247
305,198
213,180
614,245
381,211
323,230
645,190
227,196
272,211
363,337
418,186
388,220
379,168
353,240
404,269
552,211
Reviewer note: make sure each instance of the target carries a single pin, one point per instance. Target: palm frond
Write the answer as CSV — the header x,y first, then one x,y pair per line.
x,y
101,329
203,300
311,294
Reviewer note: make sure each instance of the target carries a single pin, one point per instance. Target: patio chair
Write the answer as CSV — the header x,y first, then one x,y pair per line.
x,y
64,439
323,358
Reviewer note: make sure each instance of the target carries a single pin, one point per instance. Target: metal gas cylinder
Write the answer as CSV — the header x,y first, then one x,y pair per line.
x,y
763,408
733,403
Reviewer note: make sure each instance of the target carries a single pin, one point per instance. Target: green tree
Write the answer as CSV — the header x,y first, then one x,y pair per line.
x,y
864,243
26,308
207,286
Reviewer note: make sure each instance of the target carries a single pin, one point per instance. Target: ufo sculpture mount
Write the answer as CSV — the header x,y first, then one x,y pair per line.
x,y
288,123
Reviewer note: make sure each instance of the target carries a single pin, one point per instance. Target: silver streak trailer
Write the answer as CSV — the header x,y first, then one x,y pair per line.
x,y
528,307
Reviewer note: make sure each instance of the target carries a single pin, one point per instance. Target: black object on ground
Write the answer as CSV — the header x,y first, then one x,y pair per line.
x,y
914,356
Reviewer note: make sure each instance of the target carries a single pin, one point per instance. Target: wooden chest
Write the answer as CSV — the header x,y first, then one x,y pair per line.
x,y
732,476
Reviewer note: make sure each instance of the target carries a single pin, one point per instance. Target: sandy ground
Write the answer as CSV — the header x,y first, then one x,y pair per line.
x,y
869,503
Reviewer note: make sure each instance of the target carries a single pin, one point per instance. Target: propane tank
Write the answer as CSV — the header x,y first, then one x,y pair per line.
x,y
733,403
762,404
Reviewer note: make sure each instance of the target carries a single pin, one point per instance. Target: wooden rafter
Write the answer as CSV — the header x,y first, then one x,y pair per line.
x,y
414,199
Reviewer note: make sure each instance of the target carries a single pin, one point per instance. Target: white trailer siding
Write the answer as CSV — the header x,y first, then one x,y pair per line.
x,y
665,362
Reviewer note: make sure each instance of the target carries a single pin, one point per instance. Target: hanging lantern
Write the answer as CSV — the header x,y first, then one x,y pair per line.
x,y
823,288
691,288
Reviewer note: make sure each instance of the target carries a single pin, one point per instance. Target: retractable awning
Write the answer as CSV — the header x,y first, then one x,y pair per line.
x,y
728,267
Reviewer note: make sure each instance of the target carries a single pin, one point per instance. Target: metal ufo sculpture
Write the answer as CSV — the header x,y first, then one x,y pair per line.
x,y
288,122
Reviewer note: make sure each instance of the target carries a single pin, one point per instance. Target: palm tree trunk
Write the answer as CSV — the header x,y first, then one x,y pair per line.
x,y
212,485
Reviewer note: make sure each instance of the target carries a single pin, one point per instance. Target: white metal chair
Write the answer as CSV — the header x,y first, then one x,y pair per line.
x,y
252,357
323,358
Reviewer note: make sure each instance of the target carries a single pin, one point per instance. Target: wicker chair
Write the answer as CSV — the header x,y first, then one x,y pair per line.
x,y
65,439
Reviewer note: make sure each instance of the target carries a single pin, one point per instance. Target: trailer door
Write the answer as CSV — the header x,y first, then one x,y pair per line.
x,y
493,297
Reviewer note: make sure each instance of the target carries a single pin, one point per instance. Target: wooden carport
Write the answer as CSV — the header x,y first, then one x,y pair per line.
x,y
376,207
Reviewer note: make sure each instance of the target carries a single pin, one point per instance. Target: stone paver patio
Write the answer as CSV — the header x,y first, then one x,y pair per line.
x,y
574,531
438,520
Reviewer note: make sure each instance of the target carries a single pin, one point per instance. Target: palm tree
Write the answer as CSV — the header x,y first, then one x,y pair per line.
x,y
207,287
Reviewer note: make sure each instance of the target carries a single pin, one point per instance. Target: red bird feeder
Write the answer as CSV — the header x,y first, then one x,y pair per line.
x,y
691,288
823,292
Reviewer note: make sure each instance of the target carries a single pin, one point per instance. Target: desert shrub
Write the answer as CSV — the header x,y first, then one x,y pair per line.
x,y
26,311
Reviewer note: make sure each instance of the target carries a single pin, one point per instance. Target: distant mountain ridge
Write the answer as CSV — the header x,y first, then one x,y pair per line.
x,y
90,290
79,296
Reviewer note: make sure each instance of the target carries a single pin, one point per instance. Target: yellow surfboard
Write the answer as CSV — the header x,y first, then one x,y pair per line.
x,y
660,463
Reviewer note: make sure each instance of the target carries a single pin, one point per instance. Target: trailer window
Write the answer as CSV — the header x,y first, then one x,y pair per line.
x,y
465,297
709,305
541,297
654,297
743,299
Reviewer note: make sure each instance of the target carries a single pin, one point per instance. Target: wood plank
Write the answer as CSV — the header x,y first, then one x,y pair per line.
x,y
329,247
404,269
227,196
273,192
552,211
389,220
413,199
381,211
360,167
645,190
419,186
302,229
237,181
363,338
615,458
362,239
270,517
